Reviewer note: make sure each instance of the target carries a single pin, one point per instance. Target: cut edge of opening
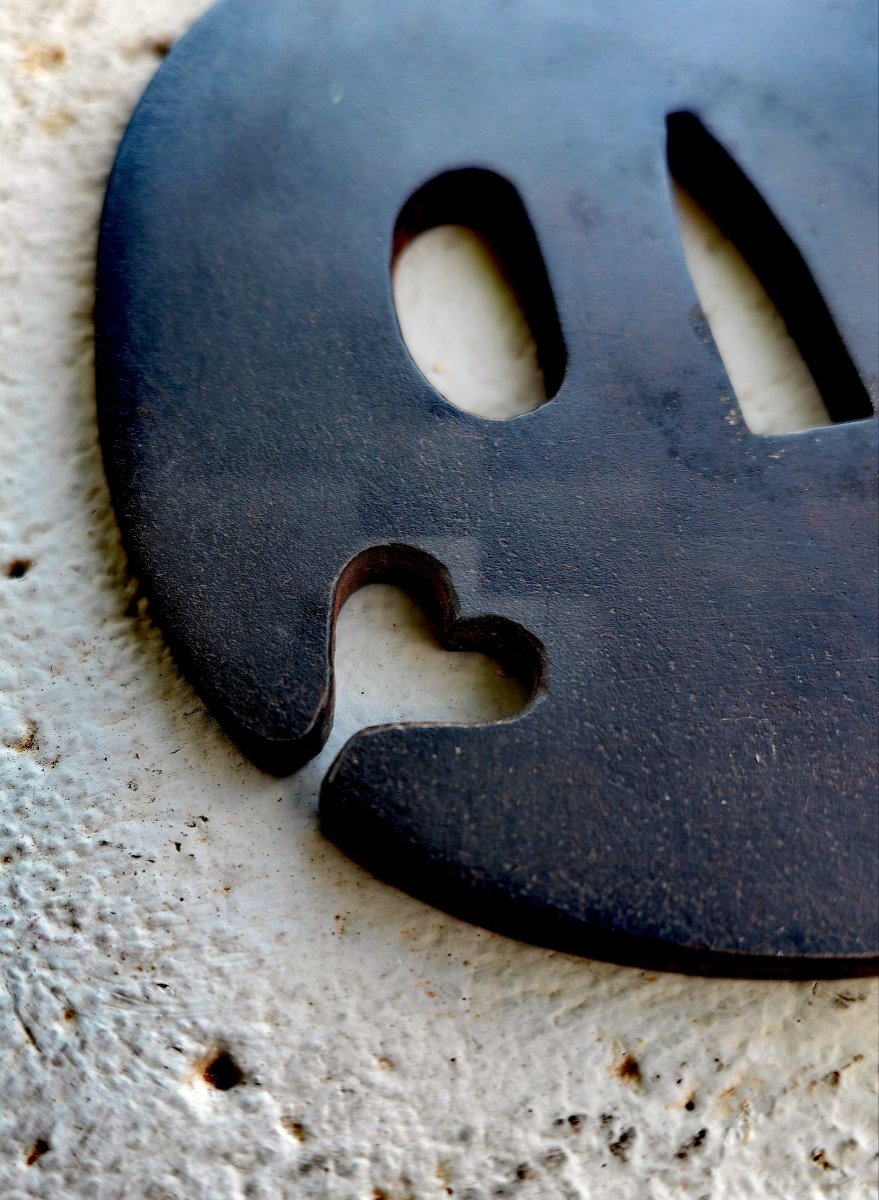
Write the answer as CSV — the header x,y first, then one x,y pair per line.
x,y
518,652
490,206
704,169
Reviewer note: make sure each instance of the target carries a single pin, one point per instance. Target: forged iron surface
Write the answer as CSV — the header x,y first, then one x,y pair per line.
x,y
694,781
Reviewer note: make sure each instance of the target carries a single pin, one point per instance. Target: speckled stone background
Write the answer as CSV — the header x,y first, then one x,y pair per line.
x,y
162,903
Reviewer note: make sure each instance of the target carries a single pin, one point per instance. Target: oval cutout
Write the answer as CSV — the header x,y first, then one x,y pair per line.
x,y
473,298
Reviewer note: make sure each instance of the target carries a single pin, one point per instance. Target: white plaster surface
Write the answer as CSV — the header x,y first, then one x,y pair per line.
x,y
773,386
480,355
160,898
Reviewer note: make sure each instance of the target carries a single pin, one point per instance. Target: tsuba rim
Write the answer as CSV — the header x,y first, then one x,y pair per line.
x,y
695,786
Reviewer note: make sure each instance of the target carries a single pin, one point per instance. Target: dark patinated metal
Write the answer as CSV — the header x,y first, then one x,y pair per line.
x,y
694,782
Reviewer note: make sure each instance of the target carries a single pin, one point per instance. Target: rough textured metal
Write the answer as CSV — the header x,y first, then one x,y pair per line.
x,y
694,781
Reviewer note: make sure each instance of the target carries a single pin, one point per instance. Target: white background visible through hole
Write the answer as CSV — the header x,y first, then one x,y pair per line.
x,y
160,897
774,388
463,324
389,667
465,329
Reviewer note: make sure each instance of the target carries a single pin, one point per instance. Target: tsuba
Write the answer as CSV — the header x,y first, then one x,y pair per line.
x,y
693,783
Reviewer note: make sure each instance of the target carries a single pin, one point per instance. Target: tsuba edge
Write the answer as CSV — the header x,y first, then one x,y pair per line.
x,y
693,784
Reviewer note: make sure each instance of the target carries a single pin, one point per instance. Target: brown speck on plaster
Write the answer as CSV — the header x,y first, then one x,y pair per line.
x,y
36,1152
28,740
160,46
18,568
220,1070
620,1146
41,58
295,1128
821,1160
443,1176
693,1143
554,1159
844,999
727,1096
58,121
629,1069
